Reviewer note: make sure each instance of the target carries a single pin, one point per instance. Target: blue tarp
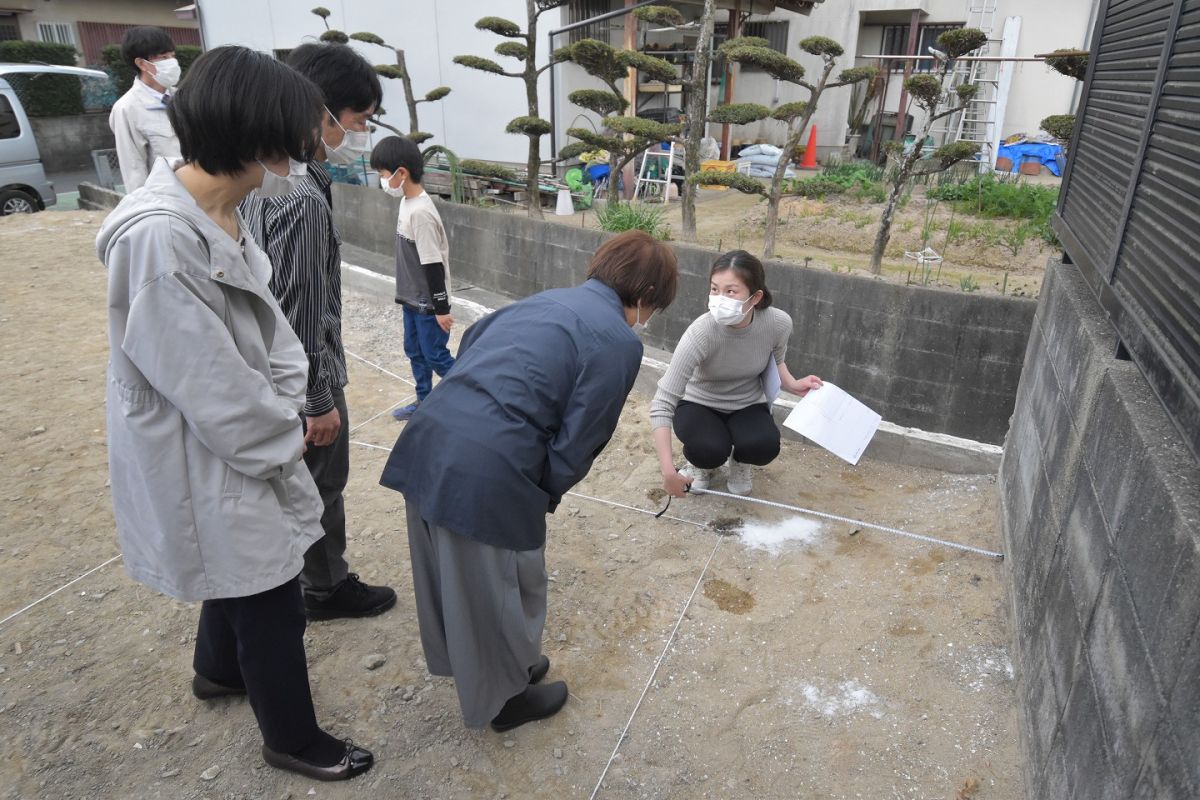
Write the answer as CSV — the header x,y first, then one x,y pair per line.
x,y
1044,154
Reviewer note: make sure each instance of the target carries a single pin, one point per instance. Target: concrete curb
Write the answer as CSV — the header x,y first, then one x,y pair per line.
x,y
371,273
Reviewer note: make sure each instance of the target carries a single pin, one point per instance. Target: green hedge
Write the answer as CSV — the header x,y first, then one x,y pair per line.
x,y
44,95
123,74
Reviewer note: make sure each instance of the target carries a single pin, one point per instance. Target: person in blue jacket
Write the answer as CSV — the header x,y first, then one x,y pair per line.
x,y
534,397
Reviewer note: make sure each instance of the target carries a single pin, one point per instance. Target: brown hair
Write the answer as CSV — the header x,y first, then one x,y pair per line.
x,y
638,267
749,271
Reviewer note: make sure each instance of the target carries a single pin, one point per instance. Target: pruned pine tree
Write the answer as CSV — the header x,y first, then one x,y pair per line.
x,y
623,137
523,48
696,112
929,93
1072,63
795,115
399,71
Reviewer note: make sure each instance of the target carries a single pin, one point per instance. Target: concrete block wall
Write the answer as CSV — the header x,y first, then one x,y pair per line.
x,y
93,197
937,360
1101,517
66,143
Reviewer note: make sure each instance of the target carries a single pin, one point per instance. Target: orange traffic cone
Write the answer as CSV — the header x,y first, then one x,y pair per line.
x,y
810,151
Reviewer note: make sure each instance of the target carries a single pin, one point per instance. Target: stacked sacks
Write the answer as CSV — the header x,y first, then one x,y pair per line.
x,y
761,160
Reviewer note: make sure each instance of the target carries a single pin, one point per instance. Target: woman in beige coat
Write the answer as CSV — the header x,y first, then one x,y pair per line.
x,y
206,383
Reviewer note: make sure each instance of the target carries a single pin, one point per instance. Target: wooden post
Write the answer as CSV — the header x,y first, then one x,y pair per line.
x,y
914,37
735,30
631,93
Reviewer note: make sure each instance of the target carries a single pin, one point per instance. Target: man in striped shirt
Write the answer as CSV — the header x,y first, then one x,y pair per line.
x,y
297,232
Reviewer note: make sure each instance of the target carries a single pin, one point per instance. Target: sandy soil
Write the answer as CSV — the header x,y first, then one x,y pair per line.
x,y
845,664
838,233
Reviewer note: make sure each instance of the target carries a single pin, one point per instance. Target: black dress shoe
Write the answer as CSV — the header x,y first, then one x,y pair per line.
x,y
350,598
539,670
536,702
204,689
355,761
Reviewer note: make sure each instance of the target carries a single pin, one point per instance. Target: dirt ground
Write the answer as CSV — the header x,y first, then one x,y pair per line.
x,y
838,234
846,664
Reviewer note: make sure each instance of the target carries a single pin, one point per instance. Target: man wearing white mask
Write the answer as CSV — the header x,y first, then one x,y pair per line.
x,y
297,232
139,119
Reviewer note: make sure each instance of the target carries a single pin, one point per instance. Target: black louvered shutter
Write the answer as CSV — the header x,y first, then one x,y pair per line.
x,y
1129,214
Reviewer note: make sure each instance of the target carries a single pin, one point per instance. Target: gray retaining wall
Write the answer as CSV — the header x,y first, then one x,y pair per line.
x,y
1101,517
66,143
938,360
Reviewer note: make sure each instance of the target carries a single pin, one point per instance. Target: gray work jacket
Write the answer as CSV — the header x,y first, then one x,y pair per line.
x,y
205,386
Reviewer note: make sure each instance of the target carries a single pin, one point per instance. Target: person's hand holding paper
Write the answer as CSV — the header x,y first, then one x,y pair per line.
x,y
836,421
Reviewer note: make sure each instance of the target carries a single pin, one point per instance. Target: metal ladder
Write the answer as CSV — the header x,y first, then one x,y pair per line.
x,y
975,121
665,162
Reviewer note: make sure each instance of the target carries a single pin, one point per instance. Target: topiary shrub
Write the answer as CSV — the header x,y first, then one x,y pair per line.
x,y
1060,126
487,169
44,95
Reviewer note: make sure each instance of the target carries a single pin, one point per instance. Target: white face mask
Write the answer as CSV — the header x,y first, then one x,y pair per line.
x,y
727,310
354,144
640,325
386,186
276,185
166,72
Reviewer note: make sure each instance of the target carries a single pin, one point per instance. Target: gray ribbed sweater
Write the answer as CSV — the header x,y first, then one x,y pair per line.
x,y
719,366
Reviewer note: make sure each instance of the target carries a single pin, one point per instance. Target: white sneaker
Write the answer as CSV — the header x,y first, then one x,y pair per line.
x,y
740,481
701,478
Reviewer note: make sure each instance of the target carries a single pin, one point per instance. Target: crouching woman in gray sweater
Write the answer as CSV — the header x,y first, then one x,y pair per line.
x,y
713,392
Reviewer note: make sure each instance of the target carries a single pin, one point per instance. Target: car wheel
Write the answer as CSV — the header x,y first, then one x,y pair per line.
x,y
14,201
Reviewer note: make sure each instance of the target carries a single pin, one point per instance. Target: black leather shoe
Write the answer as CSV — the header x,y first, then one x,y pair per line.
x,y
356,761
539,670
350,598
536,702
204,689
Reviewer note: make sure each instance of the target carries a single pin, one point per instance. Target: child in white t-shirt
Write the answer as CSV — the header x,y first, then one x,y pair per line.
x,y
422,265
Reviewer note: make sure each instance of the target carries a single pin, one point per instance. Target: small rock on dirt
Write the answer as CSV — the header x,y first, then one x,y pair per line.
x,y
211,773
169,773
509,743
374,661
558,752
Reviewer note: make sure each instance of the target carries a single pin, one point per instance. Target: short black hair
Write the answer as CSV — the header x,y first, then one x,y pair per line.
x,y
749,271
144,41
237,105
346,79
395,152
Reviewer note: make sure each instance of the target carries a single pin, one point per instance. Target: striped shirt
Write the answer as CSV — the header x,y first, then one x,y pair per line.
x,y
296,231
721,367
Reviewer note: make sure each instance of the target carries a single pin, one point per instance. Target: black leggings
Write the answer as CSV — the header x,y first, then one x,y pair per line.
x,y
709,435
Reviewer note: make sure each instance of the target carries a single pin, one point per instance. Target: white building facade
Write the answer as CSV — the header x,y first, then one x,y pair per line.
x,y
471,119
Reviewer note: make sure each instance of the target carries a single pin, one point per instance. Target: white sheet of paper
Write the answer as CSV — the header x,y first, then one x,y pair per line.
x,y
772,385
836,421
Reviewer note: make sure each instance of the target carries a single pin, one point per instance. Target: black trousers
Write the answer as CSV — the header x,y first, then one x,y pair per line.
x,y
325,562
709,435
257,642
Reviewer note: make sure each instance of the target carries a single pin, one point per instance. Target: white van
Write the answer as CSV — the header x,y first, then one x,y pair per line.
x,y
23,184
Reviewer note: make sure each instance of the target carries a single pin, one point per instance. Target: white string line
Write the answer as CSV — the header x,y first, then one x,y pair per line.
x,y
674,630
59,589
639,510
384,370
381,413
577,494
653,672
836,518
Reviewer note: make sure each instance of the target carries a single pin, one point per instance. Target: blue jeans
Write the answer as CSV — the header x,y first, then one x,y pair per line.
x,y
425,346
